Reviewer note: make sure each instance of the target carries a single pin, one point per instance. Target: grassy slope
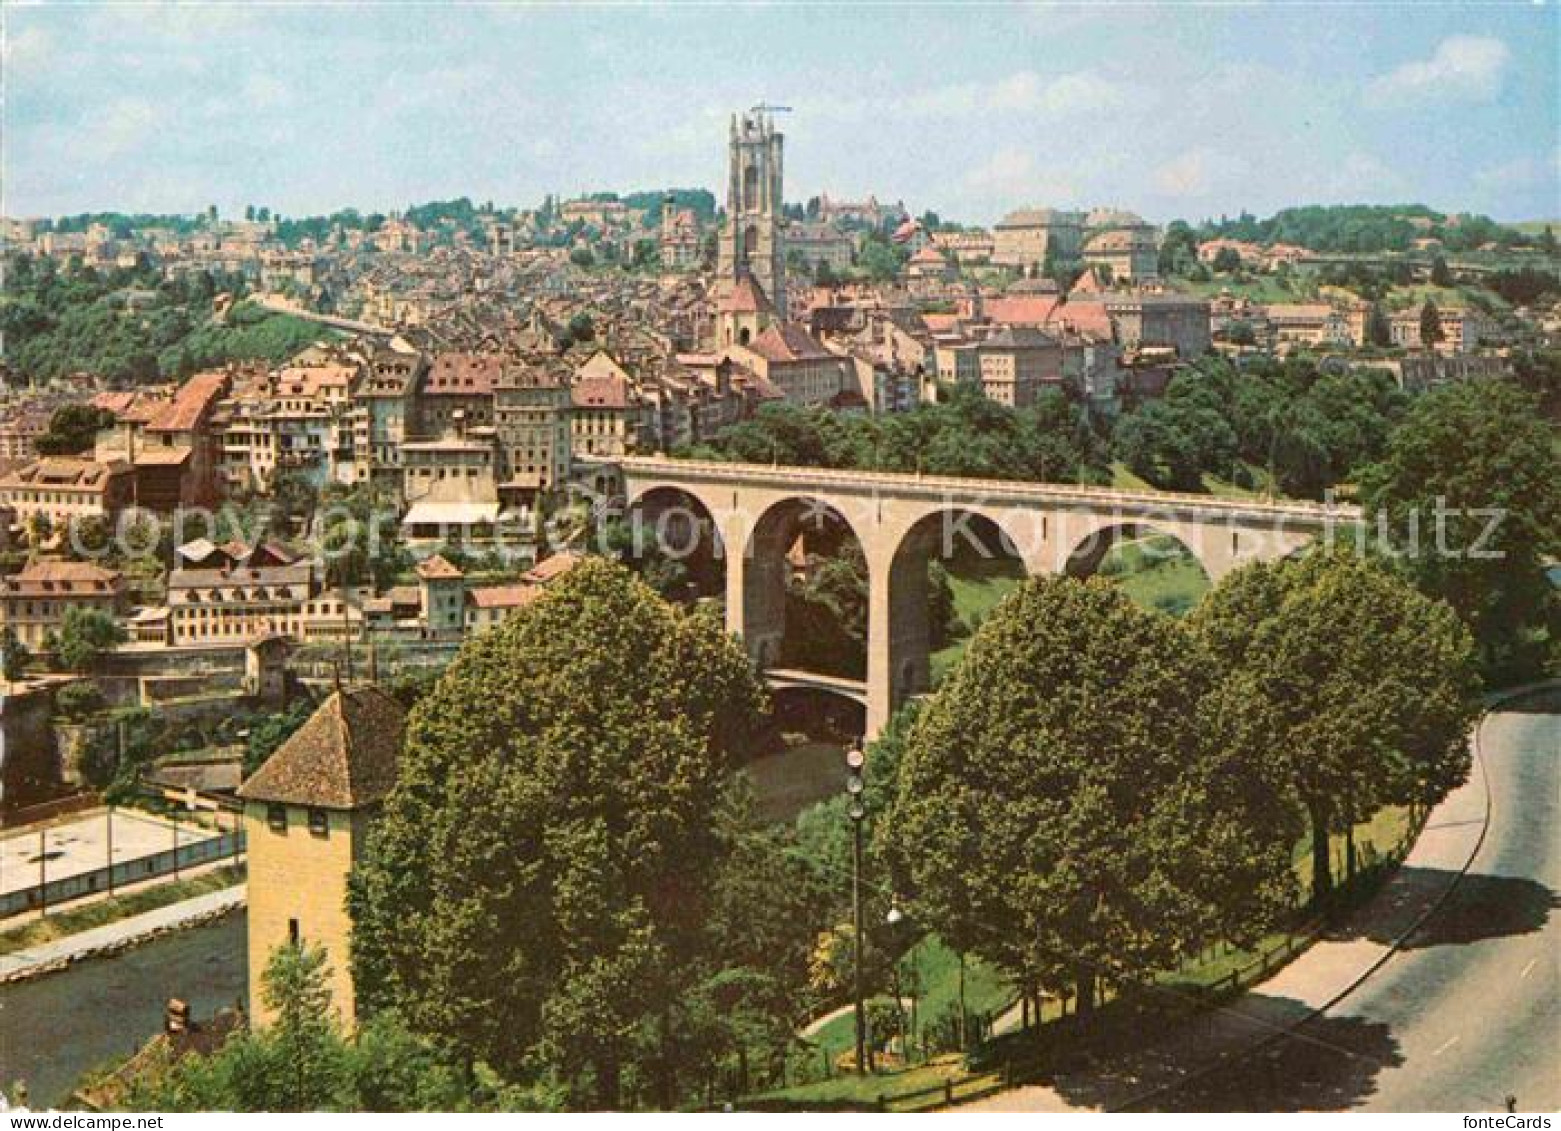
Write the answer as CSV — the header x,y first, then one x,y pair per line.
x,y
1381,833
1172,583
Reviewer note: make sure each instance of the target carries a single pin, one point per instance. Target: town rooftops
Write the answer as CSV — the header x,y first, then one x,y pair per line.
x,y
59,578
343,757
463,374
1038,218
1022,311
600,392
503,596
65,472
190,404
788,342
552,568
1018,337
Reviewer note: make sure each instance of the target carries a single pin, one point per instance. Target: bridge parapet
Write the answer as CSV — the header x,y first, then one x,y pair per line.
x,y
650,471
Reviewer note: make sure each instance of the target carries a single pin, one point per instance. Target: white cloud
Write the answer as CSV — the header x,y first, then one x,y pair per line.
x,y
1013,175
1362,176
266,92
28,49
1024,92
117,128
1463,67
1198,172
1521,173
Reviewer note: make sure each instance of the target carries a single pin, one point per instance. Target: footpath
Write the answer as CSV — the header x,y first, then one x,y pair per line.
x,y
1344,957
112,938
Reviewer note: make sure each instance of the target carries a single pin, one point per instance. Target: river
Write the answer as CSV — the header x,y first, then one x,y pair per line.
x,y
54,1028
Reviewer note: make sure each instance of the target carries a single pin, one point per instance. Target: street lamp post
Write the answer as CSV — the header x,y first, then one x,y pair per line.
x,y
855,760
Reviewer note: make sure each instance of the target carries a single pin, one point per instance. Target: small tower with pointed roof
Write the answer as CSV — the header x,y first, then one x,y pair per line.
x,y
442,592
306,813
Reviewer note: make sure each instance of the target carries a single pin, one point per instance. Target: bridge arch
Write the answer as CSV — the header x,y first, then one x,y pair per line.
x,y
970,536
677,527
770,561
1145,545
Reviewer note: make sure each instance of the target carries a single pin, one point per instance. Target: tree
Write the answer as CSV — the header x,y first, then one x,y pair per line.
x,y
581,327
1179,249
1058,811
1440,275
1240,333
296,989
1356,687
303,1062
1430,325
1227,261
582,257
268,732
72,429
85,634
1468,497
14,657
535,893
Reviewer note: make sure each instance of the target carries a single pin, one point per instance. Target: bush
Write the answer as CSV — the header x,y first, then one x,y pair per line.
x,y
78,700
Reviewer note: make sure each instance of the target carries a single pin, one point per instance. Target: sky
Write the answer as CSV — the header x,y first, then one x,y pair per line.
x,y
1172,109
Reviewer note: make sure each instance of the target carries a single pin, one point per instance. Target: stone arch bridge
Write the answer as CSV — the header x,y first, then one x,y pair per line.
x,y
902,520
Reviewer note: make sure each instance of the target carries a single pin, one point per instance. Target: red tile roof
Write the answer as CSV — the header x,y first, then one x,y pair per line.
x,y
550,569
503,596
343,757
788,342
438,568
463,374
1026,311
600,392
747,297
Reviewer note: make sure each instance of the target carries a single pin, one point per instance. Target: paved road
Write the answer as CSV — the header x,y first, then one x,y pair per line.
x,y
54,1028
1470,1010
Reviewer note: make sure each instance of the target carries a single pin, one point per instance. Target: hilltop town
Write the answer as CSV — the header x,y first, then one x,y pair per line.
x,y
304,521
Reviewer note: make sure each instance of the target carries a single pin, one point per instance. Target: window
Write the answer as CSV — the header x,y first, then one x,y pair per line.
x,y
276,817
292,932
319,822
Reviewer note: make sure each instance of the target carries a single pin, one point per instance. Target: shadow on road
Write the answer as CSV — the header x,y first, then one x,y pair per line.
x,y
1480,907
1328,1064
1541,701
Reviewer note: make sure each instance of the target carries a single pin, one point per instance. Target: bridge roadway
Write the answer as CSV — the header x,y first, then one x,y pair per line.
x,y
815,480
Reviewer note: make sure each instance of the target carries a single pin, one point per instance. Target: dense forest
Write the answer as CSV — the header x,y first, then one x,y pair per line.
x,y
130,326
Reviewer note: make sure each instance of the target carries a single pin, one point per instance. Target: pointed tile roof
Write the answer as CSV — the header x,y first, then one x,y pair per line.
x,y
438,568
343,757
747,297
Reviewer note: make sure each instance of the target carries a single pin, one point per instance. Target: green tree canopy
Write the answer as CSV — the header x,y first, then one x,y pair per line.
x,y
1469,493
1059,813
73,428
1343,677
535,893
85,634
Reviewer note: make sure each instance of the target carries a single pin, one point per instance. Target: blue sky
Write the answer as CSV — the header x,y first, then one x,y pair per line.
x,y
1171,109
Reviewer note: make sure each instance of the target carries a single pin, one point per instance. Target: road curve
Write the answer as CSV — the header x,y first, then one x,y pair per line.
x,y
1468,1011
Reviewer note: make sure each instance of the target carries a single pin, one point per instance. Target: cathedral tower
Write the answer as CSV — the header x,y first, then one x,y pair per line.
x,y
751,236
